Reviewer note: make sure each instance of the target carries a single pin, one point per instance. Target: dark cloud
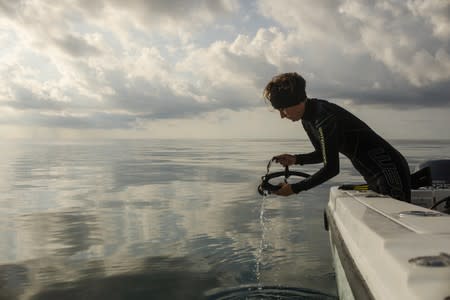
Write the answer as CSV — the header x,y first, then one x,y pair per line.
x,y
98,120
365,81
155,102
403,97
75,46
92,7
9,8
173,8
25,99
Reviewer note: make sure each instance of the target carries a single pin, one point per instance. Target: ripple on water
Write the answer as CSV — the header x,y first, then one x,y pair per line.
x,y
250,292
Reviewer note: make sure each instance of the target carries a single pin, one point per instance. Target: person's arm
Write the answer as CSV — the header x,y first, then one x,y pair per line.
x,y
314,157
329,154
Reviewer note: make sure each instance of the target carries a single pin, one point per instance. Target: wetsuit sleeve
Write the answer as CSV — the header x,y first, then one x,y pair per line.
x,y
314,157
328,134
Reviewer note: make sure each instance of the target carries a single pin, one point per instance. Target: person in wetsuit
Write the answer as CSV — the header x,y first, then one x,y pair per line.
x,y
333,130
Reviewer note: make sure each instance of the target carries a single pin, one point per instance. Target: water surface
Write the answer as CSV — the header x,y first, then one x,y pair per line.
x,y
161,219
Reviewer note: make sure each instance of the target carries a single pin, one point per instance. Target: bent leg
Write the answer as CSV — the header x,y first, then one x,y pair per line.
x,y
398,191
394,179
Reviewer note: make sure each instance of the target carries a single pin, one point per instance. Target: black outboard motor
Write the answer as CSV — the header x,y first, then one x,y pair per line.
x,y
439,172
434,175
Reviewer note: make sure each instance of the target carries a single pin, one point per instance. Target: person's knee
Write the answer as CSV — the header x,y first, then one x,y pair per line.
x,y
400,192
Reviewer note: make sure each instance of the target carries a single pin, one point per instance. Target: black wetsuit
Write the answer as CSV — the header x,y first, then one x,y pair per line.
x,y
333,130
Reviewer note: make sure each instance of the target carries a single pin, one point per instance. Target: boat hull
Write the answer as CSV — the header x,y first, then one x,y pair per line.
x,y
376,243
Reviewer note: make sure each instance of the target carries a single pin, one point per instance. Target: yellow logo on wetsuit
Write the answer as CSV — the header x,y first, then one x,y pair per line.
x,y
322,145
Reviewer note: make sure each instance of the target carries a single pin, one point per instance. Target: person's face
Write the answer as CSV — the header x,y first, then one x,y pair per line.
x,y
293,113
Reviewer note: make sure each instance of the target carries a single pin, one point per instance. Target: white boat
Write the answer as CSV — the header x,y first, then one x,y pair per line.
x,y
388,249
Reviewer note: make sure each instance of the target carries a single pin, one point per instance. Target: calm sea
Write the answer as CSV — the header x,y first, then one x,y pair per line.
x,y
164,219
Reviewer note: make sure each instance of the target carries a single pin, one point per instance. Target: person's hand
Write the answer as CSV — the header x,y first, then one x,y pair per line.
x,y
285,190
285,159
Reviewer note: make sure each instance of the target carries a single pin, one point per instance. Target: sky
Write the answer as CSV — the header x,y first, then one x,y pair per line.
x,y
197,68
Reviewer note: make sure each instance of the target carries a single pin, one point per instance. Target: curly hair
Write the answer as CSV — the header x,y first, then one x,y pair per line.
x,y
285,90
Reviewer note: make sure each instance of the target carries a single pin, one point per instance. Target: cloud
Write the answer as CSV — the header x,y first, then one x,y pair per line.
x,y
76,46
111,64
177,17
177,9
351,39
434,12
